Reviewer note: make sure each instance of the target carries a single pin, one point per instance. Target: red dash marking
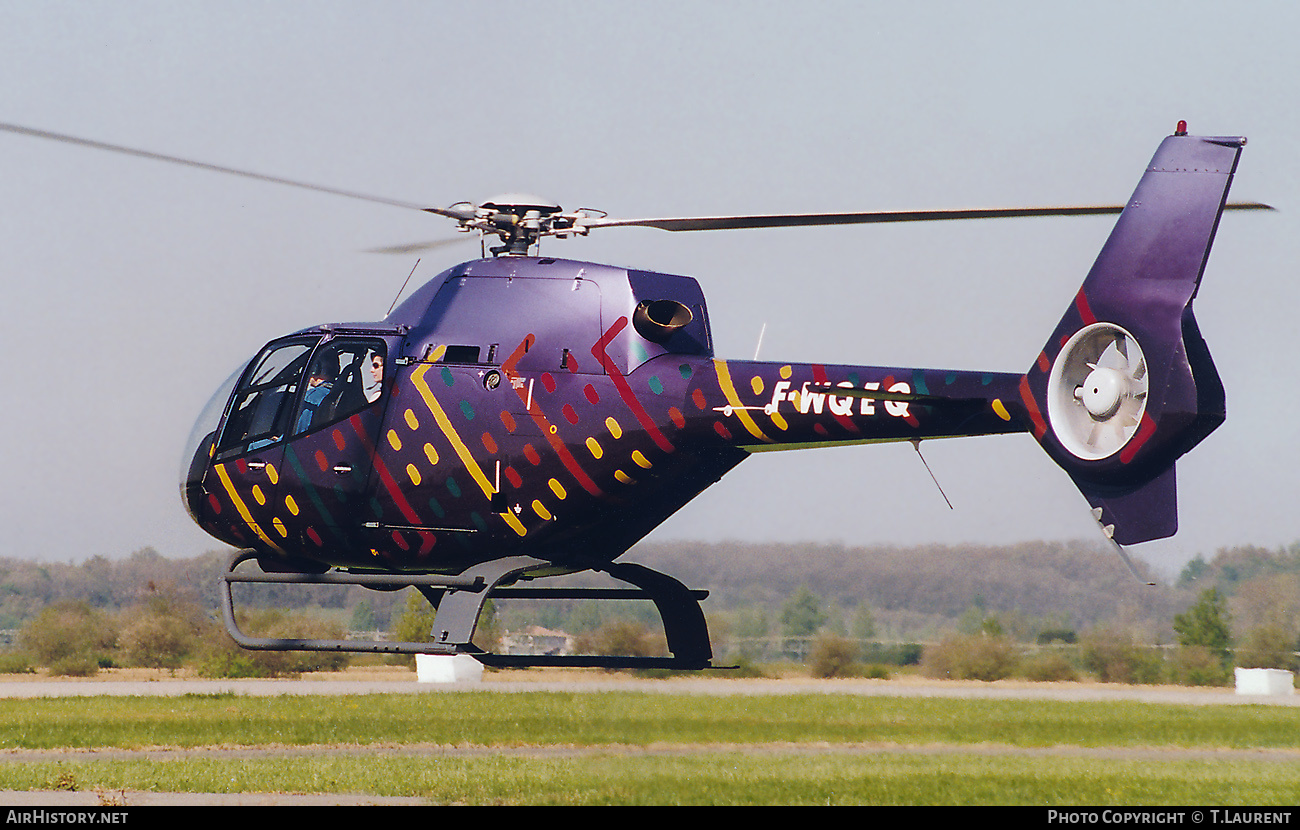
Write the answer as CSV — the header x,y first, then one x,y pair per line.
x,y
427,540
590,392
393,488
315,538
535,412
241,465
1031,406
821,379
214,503
338,439
678,418
322,461
571,362
513,477
531,455
1085,310
625,391
1043,363
1145,431
508,420
489,443
721,430
697,397
524,345
570,414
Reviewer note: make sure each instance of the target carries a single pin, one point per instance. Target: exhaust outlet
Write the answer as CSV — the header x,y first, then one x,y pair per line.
x,y
658,320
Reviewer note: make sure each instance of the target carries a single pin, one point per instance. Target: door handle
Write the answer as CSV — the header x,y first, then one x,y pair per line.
x,y
342,469
257,465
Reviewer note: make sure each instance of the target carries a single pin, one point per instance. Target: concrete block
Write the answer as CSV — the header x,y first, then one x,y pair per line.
x,y
1264,682
447,668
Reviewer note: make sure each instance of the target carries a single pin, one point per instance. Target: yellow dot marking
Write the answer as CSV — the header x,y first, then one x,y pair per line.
x,y
540,510
557,488
756,383
291,504
413,473
623,477
430,453
393,440
1001,409
280,528
258,494
614,429
272,474
594,447
786,372
242,508
641,460
411,420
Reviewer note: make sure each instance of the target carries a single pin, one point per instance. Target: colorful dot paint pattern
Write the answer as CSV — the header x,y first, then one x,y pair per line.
x,y
456,463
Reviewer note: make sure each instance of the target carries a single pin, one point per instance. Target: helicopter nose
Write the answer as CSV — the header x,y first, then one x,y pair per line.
x,y
192,481
199,446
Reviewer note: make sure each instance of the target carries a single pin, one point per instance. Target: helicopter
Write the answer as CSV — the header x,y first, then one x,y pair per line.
x,y
521,417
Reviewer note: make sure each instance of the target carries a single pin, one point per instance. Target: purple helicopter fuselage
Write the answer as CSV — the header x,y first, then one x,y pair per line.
x,y
527,407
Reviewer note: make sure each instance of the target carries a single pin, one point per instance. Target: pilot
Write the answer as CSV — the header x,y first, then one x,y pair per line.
x,y
376,384
318,386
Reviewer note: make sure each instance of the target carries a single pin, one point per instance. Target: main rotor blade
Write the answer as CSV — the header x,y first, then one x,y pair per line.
x,y
147,154
416,247
788,220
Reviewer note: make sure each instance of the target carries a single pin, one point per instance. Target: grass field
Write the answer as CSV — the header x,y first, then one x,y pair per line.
x,y
644,748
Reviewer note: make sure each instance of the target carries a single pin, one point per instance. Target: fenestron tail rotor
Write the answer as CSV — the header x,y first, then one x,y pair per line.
x,y
1097,391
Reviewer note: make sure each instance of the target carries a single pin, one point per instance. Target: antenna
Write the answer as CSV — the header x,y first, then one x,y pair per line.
x,y
759,344
403,288
916,445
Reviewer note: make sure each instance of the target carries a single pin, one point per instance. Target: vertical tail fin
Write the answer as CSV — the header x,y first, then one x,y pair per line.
x,y
1126,385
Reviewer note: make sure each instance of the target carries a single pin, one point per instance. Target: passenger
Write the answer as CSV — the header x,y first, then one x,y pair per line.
x,y
376,384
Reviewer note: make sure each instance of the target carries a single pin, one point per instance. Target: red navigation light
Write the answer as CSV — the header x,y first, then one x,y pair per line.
x,y
1182,128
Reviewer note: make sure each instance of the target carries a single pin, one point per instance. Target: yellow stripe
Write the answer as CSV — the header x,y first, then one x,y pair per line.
x,y
729,390
458,445
241,507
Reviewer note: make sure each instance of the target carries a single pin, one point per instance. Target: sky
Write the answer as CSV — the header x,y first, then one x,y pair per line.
x,y
131,288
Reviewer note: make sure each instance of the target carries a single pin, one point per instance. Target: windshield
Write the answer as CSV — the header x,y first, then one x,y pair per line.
x,y
259,412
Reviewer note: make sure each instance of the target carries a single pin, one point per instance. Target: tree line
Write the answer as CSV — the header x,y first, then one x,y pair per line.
x,y
783,600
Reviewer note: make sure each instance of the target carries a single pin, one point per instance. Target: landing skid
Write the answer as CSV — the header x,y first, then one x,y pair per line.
x,y
459,599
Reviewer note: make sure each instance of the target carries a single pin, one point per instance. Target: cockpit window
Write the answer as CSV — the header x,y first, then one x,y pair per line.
x,y
345,376
260,411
